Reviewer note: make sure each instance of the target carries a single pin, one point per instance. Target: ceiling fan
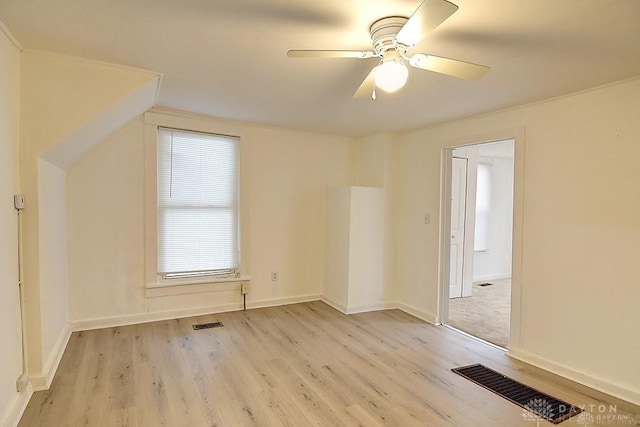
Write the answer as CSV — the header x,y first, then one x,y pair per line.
x,y
392,38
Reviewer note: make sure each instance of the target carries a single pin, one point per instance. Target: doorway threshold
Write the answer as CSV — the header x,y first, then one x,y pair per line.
x,y
504,349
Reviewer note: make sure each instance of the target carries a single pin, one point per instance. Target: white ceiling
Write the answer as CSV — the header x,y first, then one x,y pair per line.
x,y
227,58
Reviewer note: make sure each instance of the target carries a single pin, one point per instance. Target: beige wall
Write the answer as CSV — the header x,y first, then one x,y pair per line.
x,y
335,289
284,176
52,244
354,251
376,164
581,229
59,96
11,353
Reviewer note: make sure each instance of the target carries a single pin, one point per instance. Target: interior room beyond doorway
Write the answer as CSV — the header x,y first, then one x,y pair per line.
x,y
481,240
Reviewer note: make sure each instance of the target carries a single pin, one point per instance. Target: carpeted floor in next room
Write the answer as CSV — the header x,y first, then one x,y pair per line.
x,y
486,313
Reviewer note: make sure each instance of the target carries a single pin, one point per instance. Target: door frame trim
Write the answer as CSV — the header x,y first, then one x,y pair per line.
x,y
465,227
469,219
446,167
517,134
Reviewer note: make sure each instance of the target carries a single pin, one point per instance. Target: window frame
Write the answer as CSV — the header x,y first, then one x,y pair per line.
x,y
154,284
211,274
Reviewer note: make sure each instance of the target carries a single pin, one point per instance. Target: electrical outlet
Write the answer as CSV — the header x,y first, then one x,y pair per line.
x,y
274,276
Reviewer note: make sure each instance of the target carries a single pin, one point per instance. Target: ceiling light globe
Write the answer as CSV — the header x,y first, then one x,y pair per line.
x,y
391,76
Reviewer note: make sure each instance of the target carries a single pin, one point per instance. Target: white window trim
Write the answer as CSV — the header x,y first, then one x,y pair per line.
x,y
178,120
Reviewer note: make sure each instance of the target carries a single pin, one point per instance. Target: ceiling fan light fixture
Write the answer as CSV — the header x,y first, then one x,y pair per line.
x,y
392,37
391,75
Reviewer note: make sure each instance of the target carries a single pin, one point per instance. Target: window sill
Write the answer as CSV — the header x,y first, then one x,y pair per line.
x,y
182,287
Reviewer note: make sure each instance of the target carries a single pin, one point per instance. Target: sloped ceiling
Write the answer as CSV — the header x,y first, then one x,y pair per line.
x,y
227,58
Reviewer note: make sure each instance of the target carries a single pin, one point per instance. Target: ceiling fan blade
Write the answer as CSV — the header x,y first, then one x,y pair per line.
x,y
359,54
367,87
452,67
425,19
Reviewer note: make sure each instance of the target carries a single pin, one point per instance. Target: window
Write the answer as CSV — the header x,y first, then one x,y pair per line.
x,y
197,205
483,208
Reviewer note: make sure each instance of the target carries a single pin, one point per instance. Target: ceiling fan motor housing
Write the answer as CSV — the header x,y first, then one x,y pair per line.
x,y
383,34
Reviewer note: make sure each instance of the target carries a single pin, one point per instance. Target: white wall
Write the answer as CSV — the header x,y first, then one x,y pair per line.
x,y
376,164
284,177
496,262
335,289
581,229
11,402
366,242
61,102
54,313
354,255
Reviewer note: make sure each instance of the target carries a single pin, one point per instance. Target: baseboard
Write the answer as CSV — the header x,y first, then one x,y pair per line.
x,y
491,277
416,312
341,308
373,307
360,308
42,382
16,409
134,319
588,380
275,302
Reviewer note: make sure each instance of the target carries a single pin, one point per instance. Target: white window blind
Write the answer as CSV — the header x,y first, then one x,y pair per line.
x,y
197,204
483,208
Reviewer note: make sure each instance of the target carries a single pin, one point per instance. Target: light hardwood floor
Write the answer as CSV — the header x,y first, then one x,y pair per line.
x,y
297,365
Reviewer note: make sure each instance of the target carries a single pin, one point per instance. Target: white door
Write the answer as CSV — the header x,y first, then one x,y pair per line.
x,y
458,208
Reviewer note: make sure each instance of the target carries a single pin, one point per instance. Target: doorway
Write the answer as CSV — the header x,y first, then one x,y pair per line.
x,y
481,233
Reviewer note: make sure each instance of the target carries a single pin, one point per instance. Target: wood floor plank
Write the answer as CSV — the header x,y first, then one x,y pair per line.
x,y
297,365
